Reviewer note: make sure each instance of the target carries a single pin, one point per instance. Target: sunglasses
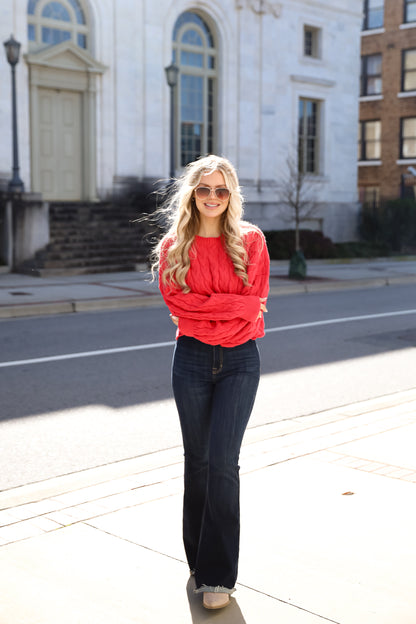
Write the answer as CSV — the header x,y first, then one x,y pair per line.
x,y
203,192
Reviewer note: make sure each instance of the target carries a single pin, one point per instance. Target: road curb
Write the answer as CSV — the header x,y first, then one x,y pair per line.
x,y
145,301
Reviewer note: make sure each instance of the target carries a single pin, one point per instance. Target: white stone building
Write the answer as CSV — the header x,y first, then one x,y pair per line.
x,y
256,78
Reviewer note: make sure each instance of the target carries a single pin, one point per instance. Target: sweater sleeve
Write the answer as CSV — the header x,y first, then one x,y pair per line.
x,y
215,307
220,306
259,264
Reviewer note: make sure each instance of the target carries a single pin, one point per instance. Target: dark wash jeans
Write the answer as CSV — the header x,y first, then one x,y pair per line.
x,y
214,389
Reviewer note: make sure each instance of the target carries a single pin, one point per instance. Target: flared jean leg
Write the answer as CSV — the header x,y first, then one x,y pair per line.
x,y
214,406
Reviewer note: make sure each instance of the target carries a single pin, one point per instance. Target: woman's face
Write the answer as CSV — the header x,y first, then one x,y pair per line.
x,y
212,207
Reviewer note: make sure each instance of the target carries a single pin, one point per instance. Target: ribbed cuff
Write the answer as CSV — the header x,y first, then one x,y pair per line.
x,y
216,590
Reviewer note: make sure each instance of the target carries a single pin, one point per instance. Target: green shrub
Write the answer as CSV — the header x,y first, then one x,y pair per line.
x,y
281,244
317,246
392,225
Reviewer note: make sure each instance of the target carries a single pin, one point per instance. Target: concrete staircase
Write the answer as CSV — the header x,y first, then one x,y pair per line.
x,y
91,238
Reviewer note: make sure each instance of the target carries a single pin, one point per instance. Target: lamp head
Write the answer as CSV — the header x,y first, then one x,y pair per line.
x,y
12,50
172,72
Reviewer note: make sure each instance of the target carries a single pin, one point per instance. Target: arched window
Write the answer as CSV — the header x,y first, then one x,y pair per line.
x,y
195,54
50,23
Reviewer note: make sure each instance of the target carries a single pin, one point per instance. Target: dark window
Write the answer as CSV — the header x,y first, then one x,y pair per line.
x,y
371,81
409,70
308,139
311,41
408,137
370,196
369,140
373,14
410,11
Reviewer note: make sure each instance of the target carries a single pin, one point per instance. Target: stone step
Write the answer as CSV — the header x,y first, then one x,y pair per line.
x,y
98,261
83,246
92,237
91,255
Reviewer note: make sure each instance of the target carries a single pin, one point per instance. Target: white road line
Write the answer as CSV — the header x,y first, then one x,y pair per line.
x,y
346,319
83,354
158,345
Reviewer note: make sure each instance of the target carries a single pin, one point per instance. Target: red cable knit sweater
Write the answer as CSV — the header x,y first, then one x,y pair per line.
x,y
219,310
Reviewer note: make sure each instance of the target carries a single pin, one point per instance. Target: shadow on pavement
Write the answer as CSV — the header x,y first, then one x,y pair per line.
x,y
229,615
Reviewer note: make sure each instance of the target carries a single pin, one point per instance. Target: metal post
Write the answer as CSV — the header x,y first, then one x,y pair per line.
x,y
12,52
172,133
15,185
172,72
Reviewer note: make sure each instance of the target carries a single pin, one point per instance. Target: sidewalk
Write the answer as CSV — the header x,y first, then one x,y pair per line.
x,y
23,295
328,531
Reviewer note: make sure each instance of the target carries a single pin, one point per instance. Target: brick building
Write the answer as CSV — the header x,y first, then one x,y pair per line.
x,y
387,133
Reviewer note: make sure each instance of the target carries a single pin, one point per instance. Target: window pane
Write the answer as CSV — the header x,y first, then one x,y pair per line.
x,y
308,135
409,127
192,37
308,47
410,81
79,13
191,98
375,14
372,130
373,150
192,18
31,32
193,59
82,41
31,5
55,10
190,142
410,59
409,148
374,86
210,128
53,36
374,64
411,12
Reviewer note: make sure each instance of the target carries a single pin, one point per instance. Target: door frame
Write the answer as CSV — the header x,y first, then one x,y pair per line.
x,y
68,68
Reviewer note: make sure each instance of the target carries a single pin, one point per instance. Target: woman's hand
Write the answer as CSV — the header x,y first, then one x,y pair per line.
x,y
174,319
262,306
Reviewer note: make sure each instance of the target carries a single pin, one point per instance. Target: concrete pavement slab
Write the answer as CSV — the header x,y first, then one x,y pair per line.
x,y
396,448
348,557
84,576
327,535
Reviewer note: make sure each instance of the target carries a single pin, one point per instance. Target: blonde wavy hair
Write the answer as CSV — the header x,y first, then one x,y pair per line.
x,y
184,222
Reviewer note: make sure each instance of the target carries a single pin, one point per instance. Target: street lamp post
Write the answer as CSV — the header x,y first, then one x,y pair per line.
x,y
172,72
12,52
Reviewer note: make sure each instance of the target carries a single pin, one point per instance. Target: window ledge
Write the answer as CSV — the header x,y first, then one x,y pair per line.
x,y
371,98
405,94
369,163
320,82
313,60
407,25
406,161
373,31
319,178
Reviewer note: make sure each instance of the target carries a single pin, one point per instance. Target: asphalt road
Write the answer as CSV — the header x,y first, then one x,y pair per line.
x,y
64,407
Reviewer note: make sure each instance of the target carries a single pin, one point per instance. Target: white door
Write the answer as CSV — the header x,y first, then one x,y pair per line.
x,y
60,145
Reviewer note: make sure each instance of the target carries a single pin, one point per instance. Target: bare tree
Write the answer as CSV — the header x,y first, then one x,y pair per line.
x,y
297,195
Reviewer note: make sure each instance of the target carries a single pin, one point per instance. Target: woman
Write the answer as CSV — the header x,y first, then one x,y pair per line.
x,y
214,278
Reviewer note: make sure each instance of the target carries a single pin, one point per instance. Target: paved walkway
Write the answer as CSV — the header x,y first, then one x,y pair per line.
x,y
328,502
328,531
23,295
